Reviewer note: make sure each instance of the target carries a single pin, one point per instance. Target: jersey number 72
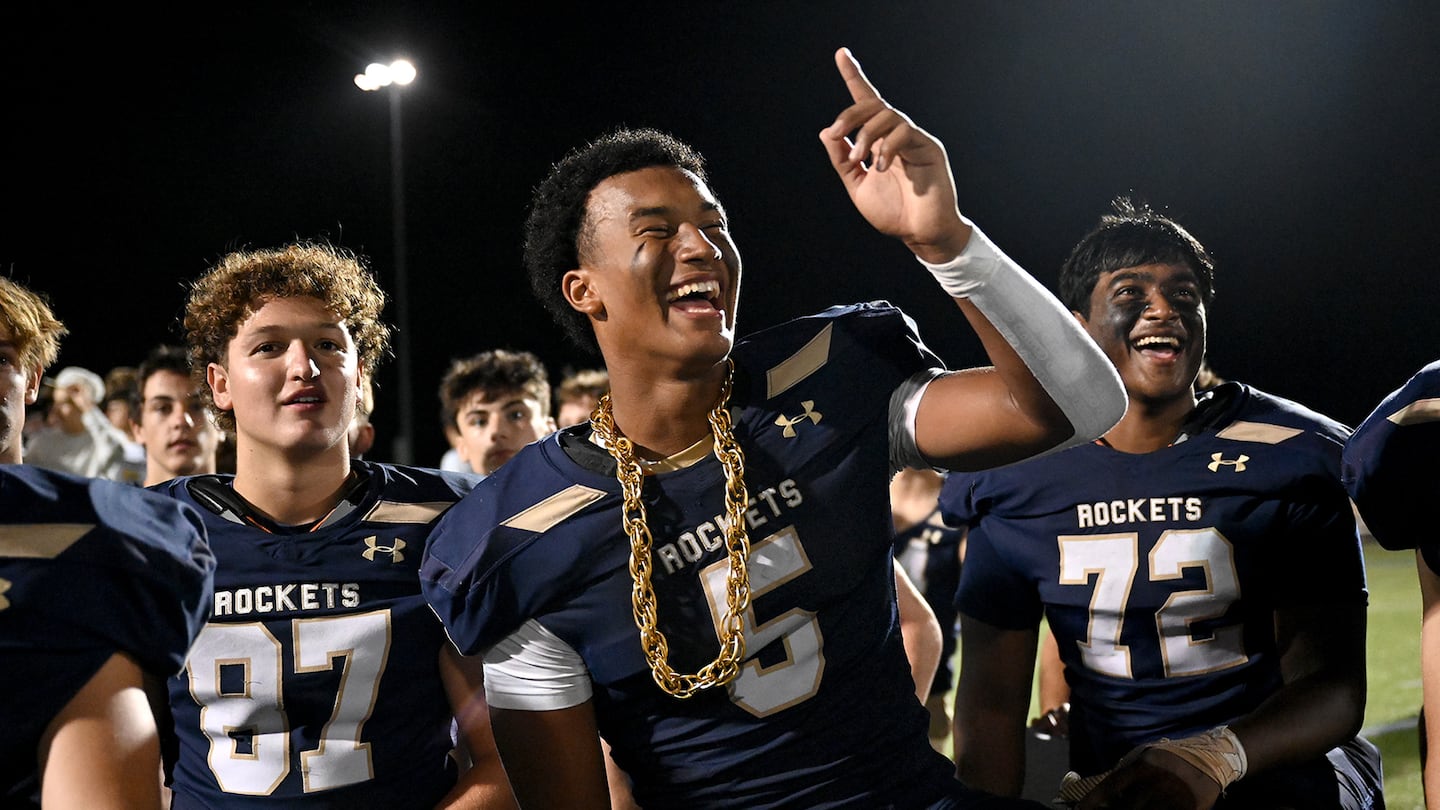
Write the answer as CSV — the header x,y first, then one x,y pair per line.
x,y
1115,560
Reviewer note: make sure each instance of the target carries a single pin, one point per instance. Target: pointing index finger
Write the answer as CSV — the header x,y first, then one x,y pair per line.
x,y
860,87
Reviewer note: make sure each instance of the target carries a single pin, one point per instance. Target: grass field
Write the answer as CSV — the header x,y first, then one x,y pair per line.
x,y
1393,657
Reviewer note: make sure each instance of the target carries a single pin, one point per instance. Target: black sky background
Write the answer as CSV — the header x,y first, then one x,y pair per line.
x,y
1297,140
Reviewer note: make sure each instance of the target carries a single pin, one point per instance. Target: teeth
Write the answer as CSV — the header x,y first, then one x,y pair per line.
x,y
710,288
306,399
1171,342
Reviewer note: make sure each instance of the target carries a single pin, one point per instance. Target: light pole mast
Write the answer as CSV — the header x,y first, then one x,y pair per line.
x,y
395,76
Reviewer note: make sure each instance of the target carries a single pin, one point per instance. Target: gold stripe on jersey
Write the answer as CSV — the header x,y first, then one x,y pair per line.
x,y
549,512
40,541
396,512
1417,413
799,365
1258,432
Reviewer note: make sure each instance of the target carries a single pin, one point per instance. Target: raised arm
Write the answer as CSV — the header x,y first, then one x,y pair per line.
x,y
1049,386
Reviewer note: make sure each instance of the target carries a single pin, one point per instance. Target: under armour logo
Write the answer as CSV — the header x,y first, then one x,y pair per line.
x,y
372,547
1217,460
789,424
4,586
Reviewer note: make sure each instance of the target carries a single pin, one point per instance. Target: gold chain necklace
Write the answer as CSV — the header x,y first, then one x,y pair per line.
x,y
737,542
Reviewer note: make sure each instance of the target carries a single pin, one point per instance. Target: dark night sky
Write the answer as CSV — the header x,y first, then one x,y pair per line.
x,y
1297,140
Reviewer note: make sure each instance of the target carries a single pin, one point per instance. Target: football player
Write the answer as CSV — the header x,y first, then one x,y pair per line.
x,y
703,572
1391,474
322,679
102,586
1198,564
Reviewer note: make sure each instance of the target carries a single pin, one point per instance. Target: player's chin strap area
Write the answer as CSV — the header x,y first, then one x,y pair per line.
x,y
1068,364
1216,753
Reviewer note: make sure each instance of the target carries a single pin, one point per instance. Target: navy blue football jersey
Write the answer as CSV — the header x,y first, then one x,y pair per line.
x,y
823,712
1159,573
316,681
929,551
88,568
1392,466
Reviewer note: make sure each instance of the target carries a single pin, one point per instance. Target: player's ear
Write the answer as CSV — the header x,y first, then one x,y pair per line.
x,y
32,384
578,287
219,380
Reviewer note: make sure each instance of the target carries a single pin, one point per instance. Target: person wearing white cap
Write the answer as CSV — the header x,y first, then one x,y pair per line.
x,y
79,438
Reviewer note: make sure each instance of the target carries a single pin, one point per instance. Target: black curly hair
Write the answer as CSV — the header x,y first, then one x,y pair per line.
x,y
555,228
1134,235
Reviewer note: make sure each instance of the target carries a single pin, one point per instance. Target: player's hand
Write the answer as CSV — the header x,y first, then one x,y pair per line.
x,y
1151,779
897,174
1053,723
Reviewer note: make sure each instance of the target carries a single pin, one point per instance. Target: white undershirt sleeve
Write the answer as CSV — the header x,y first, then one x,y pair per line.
x,y
904,403
533,670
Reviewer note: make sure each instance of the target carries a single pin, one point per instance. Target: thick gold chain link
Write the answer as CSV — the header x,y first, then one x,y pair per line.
x,y
737,542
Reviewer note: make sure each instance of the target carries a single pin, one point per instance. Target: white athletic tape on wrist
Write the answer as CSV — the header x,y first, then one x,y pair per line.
x,y
1217,753
1068,364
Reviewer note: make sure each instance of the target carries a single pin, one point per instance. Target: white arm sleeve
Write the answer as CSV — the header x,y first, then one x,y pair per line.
x,y
1067,363
533,670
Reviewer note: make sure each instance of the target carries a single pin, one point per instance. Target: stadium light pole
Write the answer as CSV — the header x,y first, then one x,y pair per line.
x,y
396,76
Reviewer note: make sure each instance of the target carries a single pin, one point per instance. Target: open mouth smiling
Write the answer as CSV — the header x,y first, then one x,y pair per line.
x,y
1161,345
695,296
694,291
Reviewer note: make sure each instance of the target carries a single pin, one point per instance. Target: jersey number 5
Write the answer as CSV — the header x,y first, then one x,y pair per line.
x,y
237,675
765,689
1115,560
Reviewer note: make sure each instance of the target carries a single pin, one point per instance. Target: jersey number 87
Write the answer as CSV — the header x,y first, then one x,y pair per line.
x,y
236,675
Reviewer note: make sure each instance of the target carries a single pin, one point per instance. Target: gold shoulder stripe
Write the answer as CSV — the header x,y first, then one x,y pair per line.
x,y
554,509
396,512
40,541
1258,432
799,365
1417,413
